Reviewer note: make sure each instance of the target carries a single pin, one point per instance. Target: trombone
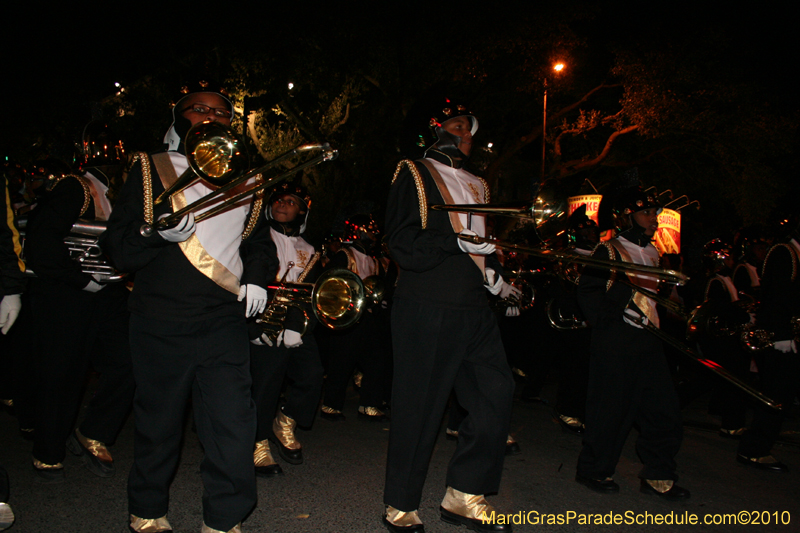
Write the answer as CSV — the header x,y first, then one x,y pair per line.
x,y
667,276
216,156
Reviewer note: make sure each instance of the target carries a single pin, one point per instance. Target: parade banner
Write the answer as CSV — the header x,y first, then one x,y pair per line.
x,y
668,236
592,202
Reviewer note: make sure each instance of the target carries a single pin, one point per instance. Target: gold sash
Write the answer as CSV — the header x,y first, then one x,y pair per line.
x,y
191,247
480,260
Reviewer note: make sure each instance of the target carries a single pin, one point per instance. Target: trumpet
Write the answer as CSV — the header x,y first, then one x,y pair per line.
x,y
216,156
338,300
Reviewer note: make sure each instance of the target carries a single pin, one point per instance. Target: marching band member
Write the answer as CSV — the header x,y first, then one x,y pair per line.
x,y
188,330
292,352
89,321
629,382
444,333
778,367
361,344
573,375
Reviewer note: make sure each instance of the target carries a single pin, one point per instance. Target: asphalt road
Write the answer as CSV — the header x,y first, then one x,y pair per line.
x,y
339,487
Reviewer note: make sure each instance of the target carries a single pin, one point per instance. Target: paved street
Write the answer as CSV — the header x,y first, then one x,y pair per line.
x,y
339,487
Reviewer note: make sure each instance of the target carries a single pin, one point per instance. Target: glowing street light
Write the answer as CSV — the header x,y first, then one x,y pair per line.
x,y
558,67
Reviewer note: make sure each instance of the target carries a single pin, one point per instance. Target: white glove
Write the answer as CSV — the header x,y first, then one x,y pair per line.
x,y
181,232
256,298
635,319
93,285
9,310
786,346
260,341
512,311
483,248
291,339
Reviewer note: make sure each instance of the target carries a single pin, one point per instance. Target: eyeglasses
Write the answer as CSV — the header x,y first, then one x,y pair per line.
x,y
201,109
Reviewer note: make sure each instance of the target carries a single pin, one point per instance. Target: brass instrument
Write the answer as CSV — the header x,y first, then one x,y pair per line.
x,y
216,155
667,276
338,299
757,340
83,249
561,322
523,301
711,365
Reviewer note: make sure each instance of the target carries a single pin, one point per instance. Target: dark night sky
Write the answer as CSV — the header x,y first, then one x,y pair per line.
x,y
63,59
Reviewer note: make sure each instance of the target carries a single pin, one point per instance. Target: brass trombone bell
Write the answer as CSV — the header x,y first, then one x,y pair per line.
x,y
216,155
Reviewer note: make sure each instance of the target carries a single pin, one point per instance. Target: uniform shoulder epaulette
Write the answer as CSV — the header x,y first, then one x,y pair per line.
x,y
613,255
87,192
418,181
147,184
314,258
255,212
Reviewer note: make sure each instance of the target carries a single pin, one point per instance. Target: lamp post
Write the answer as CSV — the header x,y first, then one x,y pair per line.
x,y
558,67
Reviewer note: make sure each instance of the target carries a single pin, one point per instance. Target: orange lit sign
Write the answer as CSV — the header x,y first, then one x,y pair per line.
x,y
668,236
592,202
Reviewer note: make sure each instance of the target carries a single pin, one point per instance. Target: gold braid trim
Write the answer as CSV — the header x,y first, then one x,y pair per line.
x,y
485,190
87,192
612,255
423,203
792,254
147,184
255,212
307,269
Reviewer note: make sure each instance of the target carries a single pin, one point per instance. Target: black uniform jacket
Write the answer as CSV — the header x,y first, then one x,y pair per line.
x,y
433,269
166,284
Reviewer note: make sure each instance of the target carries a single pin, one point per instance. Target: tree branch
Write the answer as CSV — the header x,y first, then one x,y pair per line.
x,y
571,167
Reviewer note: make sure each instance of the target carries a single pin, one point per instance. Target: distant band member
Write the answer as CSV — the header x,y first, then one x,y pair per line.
x,y
629,382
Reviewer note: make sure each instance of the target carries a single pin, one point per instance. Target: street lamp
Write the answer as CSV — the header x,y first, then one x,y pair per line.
x,y
557,68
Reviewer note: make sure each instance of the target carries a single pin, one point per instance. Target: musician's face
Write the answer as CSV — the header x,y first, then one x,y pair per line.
x,y
460,127
285,208
648,219
201,107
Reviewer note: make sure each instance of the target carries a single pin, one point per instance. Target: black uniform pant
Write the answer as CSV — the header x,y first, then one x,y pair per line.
x,y
437,351
727,399
573,372
780,381
301,367
629,383
81,328
357,346
209,361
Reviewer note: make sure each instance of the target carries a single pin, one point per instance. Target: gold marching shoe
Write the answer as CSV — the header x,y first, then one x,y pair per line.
x,y
6,516
664,488
399,521
329,413
372,413
47,473
289,448
149,525
94,454
235,529
264,462
471,510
